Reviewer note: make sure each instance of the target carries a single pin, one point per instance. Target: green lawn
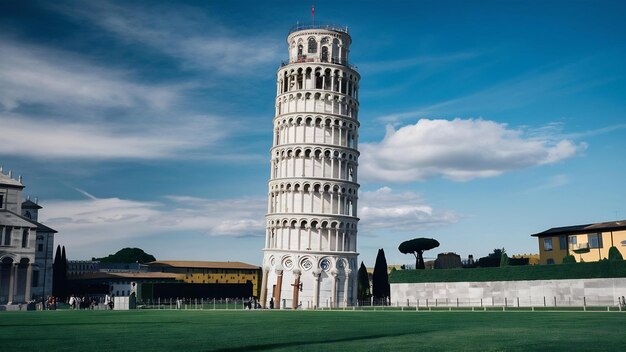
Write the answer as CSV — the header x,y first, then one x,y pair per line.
x,y
180,331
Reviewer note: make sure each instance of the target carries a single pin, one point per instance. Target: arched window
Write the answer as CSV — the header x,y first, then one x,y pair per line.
x,y
312,46
27,214
324,54
300,53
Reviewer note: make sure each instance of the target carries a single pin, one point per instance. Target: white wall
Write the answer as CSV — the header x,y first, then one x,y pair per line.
x,y
529,293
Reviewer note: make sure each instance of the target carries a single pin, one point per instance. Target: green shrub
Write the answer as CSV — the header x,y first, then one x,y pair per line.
x,y
615,255
590,270
569,259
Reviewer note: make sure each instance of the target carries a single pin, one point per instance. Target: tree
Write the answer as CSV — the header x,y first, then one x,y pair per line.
x,y
615,255
504,258
569,259
63,274
128,255
492,260
417,246
380,278
363,290
56,273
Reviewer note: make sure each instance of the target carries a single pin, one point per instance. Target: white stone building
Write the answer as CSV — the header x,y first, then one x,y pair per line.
x,y
44,250
26,246
311,232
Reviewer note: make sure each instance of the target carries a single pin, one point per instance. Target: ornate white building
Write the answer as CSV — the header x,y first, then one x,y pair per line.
x,y
310,257
25,247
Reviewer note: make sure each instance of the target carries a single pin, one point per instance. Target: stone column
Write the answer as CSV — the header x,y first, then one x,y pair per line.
x,y
279,284
29,272
12,279
264,287
333,295
346,285
296,289
316,296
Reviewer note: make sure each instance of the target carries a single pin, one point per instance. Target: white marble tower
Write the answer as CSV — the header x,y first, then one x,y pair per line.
x,y
311,234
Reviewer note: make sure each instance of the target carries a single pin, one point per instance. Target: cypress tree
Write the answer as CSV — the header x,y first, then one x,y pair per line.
x,y
63,274
56,272
615,255
504,259
380,278
363,291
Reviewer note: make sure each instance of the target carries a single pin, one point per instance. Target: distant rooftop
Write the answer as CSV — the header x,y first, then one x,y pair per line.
x,y
587,228
103,275
326,26
202,264
29,204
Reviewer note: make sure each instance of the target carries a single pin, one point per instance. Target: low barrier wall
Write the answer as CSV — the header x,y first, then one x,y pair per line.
x,y
559,293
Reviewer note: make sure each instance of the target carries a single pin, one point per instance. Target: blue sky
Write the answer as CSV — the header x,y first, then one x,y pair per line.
x,y
148,124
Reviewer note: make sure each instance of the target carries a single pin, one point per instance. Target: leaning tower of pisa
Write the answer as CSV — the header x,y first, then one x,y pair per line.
x,y
310,257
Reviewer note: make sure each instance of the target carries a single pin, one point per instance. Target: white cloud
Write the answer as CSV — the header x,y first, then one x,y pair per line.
x,y
555,181
36,75
459,150
405,212
25,136
183,33
90,222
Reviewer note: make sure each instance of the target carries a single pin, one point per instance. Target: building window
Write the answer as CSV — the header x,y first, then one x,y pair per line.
x,y
547,244
312,46
563,242
27,214
7,236
1,201
25,238
572,241
594,240
40,247
550,261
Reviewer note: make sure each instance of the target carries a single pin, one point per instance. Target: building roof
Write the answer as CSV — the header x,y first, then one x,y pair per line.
x,y
5,180
587,228
202,264
29,204
40,227
9,218
145,275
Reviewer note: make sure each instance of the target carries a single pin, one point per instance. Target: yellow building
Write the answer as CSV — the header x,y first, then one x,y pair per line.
x,y
200,272
588,243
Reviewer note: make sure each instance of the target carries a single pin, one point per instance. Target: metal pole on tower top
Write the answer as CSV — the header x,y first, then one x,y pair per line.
x,y
313,13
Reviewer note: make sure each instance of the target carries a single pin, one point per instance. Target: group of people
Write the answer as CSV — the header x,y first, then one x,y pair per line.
x,y
251,303
50,303
83,302
76,302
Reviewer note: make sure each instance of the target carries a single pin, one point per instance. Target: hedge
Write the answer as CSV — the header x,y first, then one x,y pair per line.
x,y
592,270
